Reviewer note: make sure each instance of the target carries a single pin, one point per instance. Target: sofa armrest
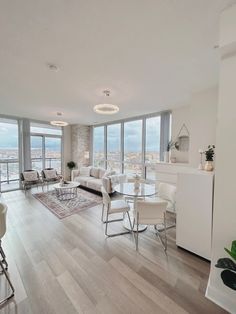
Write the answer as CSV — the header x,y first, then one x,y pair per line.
x,y
74,174
116,179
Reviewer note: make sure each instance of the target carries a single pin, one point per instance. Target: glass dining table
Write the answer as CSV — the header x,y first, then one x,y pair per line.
x,y
135,191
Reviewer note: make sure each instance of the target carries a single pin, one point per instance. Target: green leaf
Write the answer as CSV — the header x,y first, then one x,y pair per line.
x,y
232,252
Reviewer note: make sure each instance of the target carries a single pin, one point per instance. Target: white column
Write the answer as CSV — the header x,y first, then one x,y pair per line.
x,y
224,217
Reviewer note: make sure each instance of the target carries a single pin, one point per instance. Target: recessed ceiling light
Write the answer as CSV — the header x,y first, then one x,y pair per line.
x,y
52,67
106,108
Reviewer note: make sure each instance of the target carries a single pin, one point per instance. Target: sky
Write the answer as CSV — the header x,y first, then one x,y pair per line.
x,y
132,131
9,138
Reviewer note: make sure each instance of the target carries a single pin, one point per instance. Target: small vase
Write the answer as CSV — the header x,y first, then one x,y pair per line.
x,y
209,166
166,157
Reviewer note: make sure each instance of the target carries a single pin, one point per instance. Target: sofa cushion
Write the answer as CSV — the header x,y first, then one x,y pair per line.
x,y
94,172
84,171
101,173
83,180
95,184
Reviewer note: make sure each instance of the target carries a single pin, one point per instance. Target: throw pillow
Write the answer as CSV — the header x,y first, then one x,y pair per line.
x,y
101,173
95,172
84,171
50,174
30,175
109,173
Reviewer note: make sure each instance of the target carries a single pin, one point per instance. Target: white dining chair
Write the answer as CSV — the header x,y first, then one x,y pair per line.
x,y
3,262
114,207
150,212
167,192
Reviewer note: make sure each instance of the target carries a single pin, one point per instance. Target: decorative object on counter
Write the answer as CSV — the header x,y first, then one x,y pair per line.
x,y
173,159
71,165
201,152
210,152
228,275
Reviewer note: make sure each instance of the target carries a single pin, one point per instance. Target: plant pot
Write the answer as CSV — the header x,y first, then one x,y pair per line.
x,y
209,166
166,157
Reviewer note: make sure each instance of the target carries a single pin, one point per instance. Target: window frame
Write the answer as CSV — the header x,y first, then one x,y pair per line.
x,y
44,136
165,120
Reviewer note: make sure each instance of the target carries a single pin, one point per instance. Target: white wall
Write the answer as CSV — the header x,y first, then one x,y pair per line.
x,y
200,119
224,221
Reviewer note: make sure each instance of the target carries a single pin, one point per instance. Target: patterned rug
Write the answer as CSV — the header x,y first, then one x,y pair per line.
x,y
63,209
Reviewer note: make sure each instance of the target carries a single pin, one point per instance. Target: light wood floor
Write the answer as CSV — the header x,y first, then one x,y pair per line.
x,y
68,266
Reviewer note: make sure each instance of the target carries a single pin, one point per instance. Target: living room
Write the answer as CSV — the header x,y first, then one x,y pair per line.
x,y
116,125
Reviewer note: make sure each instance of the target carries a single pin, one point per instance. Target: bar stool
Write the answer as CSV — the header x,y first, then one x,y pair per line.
x,y
3,262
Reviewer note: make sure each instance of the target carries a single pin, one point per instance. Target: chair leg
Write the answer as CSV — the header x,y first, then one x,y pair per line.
x,y
163,242
137,233
165,232
4,262
102,212
113,234
106,224
4,272
129,221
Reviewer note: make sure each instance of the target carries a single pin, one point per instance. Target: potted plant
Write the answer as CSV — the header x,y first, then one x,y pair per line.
x,y
71,165
228,275
209,153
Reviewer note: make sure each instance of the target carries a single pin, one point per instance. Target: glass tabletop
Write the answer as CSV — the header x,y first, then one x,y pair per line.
x,y
131,189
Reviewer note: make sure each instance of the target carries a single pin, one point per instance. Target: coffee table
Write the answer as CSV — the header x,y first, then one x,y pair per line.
x,y
66,191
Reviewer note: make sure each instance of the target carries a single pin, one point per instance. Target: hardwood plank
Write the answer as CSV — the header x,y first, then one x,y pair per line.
x,y
69,266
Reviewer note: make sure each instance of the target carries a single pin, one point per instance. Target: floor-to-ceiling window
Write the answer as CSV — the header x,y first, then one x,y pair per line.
x,y
133,142
114,160
46,146
9,154
152,145
132,146
99,146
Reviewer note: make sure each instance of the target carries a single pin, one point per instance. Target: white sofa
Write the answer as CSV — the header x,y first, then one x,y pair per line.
x,y
94,178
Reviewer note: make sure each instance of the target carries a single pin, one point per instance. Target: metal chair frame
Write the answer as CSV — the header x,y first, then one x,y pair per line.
x,y
4,268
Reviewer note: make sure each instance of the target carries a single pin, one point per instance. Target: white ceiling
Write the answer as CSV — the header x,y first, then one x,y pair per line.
x,y
151,54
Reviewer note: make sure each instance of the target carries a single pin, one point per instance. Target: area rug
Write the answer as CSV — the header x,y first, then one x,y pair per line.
x,y
63,209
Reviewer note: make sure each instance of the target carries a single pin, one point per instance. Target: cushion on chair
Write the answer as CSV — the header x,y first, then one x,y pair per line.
x,y
119,206
50,174
30,176
170,206
167,192
84,171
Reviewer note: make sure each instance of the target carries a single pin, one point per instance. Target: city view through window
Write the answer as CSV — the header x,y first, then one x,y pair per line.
x,y
9,153
141,146
45,151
